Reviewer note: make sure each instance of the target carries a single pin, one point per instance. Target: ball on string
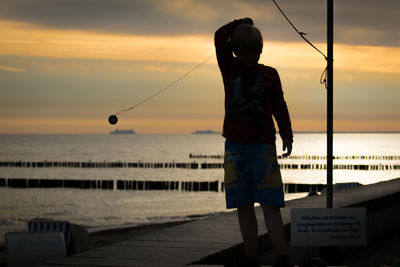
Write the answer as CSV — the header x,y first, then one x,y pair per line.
x,y
113,119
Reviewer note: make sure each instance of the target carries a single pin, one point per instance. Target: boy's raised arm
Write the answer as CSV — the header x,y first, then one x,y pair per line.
x,y
222,45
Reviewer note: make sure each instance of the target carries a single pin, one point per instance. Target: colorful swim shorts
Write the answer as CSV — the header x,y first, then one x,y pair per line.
x,y
252,174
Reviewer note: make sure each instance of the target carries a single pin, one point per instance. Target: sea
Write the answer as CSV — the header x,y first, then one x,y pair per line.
x,y
97,209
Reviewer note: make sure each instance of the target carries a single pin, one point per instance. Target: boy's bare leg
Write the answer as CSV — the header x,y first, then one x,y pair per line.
x,y
273,221
249,230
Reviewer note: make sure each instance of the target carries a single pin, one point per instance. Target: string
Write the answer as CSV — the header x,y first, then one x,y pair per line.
x,y
302,35
166,87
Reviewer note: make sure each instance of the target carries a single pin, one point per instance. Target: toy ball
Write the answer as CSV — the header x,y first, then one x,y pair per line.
x,y
112,119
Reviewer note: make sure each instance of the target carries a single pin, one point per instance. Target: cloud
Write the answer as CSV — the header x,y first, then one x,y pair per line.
x,y
6,68
366,22
23,39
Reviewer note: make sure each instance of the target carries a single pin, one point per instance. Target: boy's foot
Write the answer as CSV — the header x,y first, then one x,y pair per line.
x,y
283,261
247,262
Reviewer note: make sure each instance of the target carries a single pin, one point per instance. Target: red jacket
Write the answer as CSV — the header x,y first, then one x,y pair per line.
x,y
252,96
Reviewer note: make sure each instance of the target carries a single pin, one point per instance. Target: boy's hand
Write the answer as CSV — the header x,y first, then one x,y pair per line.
x,y
287,144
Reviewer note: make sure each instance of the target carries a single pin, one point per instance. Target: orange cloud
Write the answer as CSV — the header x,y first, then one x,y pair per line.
x,y
6,68
346,57
27,40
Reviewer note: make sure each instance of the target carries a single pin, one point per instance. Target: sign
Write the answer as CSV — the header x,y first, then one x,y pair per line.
x,y
329,227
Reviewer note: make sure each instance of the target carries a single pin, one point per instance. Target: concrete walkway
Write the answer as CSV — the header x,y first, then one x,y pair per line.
x,y
217,239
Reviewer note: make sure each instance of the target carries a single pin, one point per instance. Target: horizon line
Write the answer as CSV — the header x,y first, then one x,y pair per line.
x,y
212,132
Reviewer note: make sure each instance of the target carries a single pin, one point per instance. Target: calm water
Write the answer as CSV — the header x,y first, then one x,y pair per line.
x,y
98,209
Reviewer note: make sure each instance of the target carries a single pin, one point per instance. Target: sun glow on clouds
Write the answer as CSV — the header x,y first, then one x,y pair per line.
x,y
6,68
154,55
26,40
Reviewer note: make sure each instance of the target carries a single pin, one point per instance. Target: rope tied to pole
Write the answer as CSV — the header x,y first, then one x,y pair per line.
x,y
323,79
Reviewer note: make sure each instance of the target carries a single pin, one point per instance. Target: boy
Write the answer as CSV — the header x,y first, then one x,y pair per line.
x,y
253,94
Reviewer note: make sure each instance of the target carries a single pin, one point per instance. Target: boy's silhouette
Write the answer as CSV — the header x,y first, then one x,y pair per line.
x,y
253,94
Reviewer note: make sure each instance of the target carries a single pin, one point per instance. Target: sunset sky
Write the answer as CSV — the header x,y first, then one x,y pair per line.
x,y
66,65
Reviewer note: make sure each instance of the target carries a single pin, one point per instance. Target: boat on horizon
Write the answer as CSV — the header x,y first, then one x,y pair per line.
x,y
118,131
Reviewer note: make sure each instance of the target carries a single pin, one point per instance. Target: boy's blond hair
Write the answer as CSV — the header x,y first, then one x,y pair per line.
x,y
246,39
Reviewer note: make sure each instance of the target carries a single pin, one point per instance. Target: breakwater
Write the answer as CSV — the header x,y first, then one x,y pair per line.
x,y
186,165
195,186
90,164
309,157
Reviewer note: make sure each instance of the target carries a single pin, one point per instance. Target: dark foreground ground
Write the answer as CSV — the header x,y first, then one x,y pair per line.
x,y
106,238
383,253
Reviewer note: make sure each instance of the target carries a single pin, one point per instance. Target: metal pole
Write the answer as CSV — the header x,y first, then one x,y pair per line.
x,y
329,129
331,254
